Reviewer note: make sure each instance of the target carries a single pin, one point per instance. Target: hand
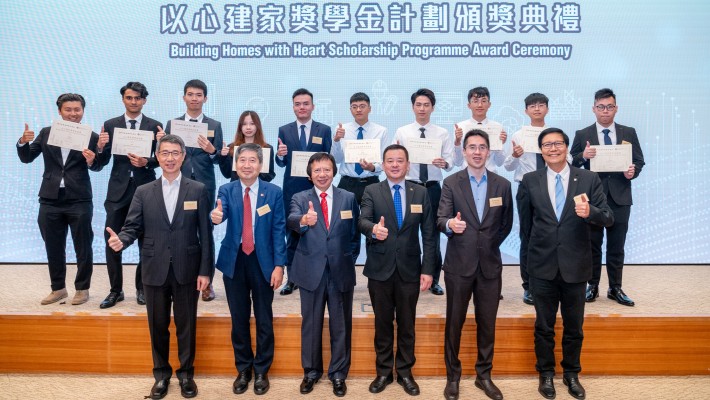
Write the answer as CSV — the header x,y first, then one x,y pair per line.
x,y
517,150
456,224
160,133
113,241
339,133
629,174
225,149
366,165
458,134
439,162
503,136
203,282
582,208
27,135
309,218
217,214
103,140
282,150
425,282
205,145
379,230
589,152
137,161
89,155
277,277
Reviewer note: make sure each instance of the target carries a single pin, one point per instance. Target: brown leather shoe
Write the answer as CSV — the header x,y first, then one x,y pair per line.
x,y
80,297
55,296
208,294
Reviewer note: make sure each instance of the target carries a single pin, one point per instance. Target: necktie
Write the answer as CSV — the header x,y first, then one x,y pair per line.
x,y
423,168
247,232
607,139
324,208
133,123
193,120
559,196
302,139
398,205
358,167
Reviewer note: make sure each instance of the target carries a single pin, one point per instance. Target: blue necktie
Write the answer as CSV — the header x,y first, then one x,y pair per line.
x,y
559,196
398,205
302,139
358,167
607,139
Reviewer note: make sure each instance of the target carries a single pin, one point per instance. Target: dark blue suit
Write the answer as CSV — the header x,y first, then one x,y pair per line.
x,y
324,268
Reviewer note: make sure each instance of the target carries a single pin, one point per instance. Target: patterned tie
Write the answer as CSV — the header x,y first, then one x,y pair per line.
x,y
398,205
247,233
302,138
607,139
133,123
423,168
358,167
559,196
324,208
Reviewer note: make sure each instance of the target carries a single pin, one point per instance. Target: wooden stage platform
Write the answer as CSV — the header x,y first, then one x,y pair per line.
x,y
667,333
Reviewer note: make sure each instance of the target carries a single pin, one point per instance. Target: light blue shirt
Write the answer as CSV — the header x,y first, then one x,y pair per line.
x,y
479,189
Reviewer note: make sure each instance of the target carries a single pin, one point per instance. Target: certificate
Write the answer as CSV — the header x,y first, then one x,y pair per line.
x,y
132,141
69,135
493,131
364,149
299,162
611,158
188,131
266,152
529,137
423,151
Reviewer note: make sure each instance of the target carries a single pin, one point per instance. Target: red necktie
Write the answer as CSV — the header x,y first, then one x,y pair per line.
x,y
324,207
247,233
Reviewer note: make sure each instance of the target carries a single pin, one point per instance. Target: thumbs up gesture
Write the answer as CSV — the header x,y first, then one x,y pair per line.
x,y
458,134
310,217
589,151
339,133
113,241
282,150
103,140
160,133
28,135
581,206
379,230
456,224
225,149
517,150
217,215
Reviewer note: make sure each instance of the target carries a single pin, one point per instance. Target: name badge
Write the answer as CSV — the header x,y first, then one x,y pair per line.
x,y
263,210
317,139
581,198
625,142
495,202
190,205
416,209
210,133
347,214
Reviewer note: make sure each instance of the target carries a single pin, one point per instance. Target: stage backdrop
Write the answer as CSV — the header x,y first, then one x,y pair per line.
x,y
254,54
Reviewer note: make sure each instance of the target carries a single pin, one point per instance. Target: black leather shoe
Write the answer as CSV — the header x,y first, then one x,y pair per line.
x,y
592,293
208,294
489,388
451,391
307,385
140,297
436,289
288,288
620,297
527,297
574,387
241,384
339,387
546,387
409,384
380,383
111,300
261,384
159,389
188,388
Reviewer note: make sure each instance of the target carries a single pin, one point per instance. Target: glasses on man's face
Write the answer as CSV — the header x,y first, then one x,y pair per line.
x,y
356,107
537,106
549,145
479,100
608,107
473,148
168,154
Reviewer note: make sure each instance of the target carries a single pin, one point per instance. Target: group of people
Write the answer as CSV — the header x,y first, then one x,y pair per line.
x,y
311,229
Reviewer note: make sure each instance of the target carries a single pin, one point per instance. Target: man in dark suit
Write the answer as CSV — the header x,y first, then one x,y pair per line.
x,y
392,215
172,216
128,172
617,188
251,259
324,269
199,162
558,206
476,214
304,134
65,199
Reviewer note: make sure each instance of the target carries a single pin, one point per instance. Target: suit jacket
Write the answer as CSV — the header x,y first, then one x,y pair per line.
x,y
615,184
269,228
338,247
75,171
122,167
289,135
479,244
225,167
186,241
400,250
563,246
198,162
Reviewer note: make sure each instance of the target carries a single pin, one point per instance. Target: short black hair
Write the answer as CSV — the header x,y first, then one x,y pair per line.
x,y
536,98
477,132
477,92
300,92
137,87
604,94
250,147
426,93
550,131
394,147
174,139
359,96
196,84
321,156
63,98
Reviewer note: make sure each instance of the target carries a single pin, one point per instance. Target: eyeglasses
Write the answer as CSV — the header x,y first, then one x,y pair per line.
x,y
356,107
473,147
608,107
479,100
548,145
537,106
167,154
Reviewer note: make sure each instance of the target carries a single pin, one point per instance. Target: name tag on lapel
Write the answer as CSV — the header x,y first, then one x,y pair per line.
x,y
495,202
347,214
263,210
625,142
190,205
210,133
415,209
317,140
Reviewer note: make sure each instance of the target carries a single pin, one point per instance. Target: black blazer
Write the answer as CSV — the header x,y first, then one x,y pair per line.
x,y
563,246
615,184
199,162
401,248
225,167
480,243
75,172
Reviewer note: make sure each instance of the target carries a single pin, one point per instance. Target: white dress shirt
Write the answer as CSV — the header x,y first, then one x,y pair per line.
x,y
496,158
170,194
431,131
138,120
552,181
370,130
612,133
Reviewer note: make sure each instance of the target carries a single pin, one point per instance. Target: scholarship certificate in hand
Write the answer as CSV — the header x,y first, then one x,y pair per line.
x,y
423,151
188,131
69,135
132,141
364,149
611,158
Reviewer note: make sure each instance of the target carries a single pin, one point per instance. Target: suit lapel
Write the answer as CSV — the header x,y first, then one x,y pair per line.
x,y
593,135
407,209
387,199
159,199
619,133
490,189
337,207
314,133
465,186
260,201
182,194
571,190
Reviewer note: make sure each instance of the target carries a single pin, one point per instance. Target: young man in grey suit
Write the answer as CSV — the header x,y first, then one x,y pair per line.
x,y
393,213
172,215
558,206
325,218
